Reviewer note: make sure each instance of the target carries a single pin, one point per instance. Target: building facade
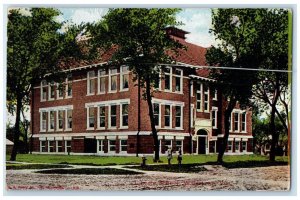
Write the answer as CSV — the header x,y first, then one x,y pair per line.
x,y
96,111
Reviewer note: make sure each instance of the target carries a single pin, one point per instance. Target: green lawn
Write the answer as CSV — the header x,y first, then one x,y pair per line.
x,y
101,160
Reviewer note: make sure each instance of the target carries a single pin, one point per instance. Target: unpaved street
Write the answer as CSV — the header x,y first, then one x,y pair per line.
x,y
274,178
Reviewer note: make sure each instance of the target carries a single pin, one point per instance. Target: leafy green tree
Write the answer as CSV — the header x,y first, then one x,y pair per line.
x,y
35,46
249,38
141,41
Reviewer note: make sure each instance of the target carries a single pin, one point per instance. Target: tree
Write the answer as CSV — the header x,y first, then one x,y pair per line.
x,y
36,45
141,41
249,39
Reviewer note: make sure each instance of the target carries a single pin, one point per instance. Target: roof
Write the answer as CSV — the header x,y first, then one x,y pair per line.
x,y
8,142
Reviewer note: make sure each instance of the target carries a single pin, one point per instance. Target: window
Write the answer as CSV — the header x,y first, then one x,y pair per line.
x,y
43,146
192,116
91,119
60,120
101,81
178,80
215,97
244,145
113,116
237,146
68,146
236,122
206,99
244,122
124,115
112,145
60,91
44,90
168,144
168,116
51,146
123,145
199,97
69,87
229,146
179,145
44,121
156,113
100,146
214,117
101,121
51,121
69,120
124,77
230,122
178,116
192,88
59,146
91,80
168,80
51,91
113,79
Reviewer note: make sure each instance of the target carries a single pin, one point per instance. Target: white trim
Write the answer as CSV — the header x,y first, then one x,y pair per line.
x,y
99,82
56,146
242,113
49,121
181,117
230,151
100,144
66,120
49,141
109,80
57,91
159,114
108,145
41,121
181,80
67,88
41,90
88,118
202,78
192,88
215,110
88,85
170,82
215,96
109,117
49,92
199,91
236,136
121,115
55,108
98,117
41,141
107,103
170,116
66,147
192,124
121,78
120,145
57,120
238,122
208,100
169,102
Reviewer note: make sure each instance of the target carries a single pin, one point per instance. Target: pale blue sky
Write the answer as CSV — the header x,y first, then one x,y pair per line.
x,y
197,21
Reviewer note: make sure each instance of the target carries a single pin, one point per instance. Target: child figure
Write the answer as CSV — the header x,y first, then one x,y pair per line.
x,y
169,156
179,156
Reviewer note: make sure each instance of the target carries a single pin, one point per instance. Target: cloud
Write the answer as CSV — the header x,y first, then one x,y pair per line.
x,y
87,15
22,11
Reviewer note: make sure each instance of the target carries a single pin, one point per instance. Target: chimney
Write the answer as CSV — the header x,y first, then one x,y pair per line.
x,y
176,32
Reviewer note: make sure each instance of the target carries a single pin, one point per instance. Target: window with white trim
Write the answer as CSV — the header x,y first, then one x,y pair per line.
x,y
124,115
236,122
156,114
91,118
229,146
123,145
69,86
59,146
113,79
192,115
178,116
43,146
206,99
199,97
51,121
178,74
244,145
167,78
111,145
51,91
44,87
230,122
113,116
100,146
51,146
91,81
124,78
237,146
101,81
168,144
60,90
215,96
43,121
243,122
179,145
214,117
101,117
168,121
69,117
68,146
60,120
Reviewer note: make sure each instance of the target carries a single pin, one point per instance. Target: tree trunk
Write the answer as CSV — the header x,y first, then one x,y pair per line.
x,y
274,134
151,115
227,116
17,130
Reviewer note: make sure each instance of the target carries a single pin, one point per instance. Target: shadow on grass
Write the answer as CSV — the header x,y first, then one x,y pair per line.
x,y
184,168
32,166
250,164
95,164
90,171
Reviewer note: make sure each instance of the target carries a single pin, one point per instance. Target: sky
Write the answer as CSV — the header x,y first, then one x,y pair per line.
x,y
197,21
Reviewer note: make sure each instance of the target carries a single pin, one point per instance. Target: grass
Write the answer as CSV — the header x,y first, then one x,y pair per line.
x,y
241,160
184,168
90,171
33,166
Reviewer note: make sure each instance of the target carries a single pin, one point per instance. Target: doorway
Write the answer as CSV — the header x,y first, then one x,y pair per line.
x,y
202,141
